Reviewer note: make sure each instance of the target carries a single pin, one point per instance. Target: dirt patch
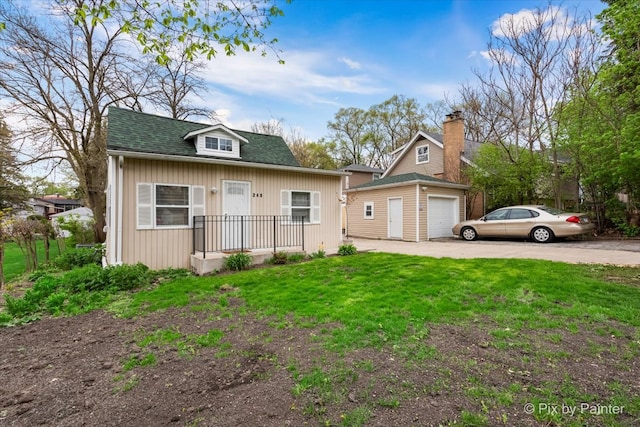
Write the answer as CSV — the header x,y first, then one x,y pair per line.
x,y
96,369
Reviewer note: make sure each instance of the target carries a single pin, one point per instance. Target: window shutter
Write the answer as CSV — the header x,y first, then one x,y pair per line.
x,y
197,200
145,206
285,202
315,207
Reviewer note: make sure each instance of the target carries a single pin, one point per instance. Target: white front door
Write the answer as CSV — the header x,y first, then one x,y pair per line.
x,y
236,206
395,218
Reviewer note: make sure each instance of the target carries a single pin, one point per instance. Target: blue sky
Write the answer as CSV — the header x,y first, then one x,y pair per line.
x,y
357,53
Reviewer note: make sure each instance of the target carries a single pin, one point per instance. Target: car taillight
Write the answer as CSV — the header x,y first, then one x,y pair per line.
x,y
574,219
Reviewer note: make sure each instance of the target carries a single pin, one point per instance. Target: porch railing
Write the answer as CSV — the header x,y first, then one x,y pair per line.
x,y
232,233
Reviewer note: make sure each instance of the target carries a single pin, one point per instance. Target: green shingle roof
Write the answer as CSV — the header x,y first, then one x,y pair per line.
x,y
405,177
146,133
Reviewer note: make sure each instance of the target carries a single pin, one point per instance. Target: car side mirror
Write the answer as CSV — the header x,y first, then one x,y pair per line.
x,y
483,219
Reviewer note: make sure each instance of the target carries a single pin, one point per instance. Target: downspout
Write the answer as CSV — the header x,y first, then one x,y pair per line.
x,y
118,259
417,212
111,197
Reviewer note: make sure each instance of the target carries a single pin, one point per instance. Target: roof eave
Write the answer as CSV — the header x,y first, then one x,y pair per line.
x,y
209,160
412,182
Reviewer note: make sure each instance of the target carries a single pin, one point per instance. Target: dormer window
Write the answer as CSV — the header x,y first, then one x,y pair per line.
x,y
217,141
221,144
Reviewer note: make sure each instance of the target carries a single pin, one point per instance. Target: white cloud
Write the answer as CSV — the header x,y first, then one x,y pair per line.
x,y
354,65
553,20
437,91
306,77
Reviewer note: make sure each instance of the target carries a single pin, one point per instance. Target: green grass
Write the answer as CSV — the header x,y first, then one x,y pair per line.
x,y
381,298
14,264
393,302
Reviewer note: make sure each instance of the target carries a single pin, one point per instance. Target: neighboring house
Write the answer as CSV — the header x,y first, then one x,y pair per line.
x,y
47,206
423,194
179,190
81,214
360,174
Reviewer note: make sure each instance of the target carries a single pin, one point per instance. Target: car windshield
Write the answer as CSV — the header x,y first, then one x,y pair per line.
x,y
552,211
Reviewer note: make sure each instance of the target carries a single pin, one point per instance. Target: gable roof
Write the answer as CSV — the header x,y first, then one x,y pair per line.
x,y
470,147
135,132
407,178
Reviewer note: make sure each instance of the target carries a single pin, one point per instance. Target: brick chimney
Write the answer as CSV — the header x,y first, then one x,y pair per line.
x,y
453,141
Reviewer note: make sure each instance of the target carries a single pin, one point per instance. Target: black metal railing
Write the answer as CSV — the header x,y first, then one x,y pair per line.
x,y
232,233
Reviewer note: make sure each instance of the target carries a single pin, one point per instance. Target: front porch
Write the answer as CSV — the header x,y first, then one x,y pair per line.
x,y
216,237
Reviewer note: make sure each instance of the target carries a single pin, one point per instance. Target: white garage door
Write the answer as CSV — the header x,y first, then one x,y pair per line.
x,y
442,216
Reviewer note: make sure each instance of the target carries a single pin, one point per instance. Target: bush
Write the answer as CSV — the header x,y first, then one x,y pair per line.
x,y
127,277
280,258
319,254
88,278
296,258
347,250
74,258
237,262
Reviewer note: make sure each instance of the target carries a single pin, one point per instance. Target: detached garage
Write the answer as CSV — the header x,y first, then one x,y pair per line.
x,y
411,207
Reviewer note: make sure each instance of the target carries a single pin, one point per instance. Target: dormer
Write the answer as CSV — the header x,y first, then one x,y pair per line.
x,y
217,140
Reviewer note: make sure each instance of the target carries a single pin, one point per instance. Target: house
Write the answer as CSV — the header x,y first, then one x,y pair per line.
x,y
181,193
360,174
424,192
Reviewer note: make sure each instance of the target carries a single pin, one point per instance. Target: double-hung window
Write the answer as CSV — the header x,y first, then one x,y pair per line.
x,y
301,204
422,154
168,205
368,210
219,144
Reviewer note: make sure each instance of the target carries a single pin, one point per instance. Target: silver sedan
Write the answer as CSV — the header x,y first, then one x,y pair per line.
x,y
538,222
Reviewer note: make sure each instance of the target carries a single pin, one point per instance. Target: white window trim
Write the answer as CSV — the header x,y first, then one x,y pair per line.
x,y
367,204
314,209
220,139
418,161
202,145
148,207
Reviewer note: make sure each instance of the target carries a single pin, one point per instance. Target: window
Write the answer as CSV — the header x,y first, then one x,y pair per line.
x,y
305,204
521,214
220,144
497,215
168,206
368,210
422,154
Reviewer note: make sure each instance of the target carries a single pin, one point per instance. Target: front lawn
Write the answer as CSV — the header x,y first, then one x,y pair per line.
x,y
383,339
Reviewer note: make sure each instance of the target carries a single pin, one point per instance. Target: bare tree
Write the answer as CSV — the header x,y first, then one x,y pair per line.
x,y
62,78
174,84
534,60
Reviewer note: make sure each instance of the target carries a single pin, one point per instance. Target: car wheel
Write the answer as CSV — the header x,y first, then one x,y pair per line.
x,y
469,234
542,235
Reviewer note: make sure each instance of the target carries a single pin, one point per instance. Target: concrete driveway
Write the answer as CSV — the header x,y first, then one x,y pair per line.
x,y
618,252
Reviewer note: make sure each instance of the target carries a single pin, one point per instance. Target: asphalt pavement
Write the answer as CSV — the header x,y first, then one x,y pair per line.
x,y
617,252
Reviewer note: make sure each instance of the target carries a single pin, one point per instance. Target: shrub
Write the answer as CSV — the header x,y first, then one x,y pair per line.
x,y
296,257
19,307
55,302
237,262
127,277
280,258
82,232
319,254
88,278
74,258
347,250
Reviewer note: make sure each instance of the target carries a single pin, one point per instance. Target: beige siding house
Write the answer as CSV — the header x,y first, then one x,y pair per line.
x,y
180,192
422,195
